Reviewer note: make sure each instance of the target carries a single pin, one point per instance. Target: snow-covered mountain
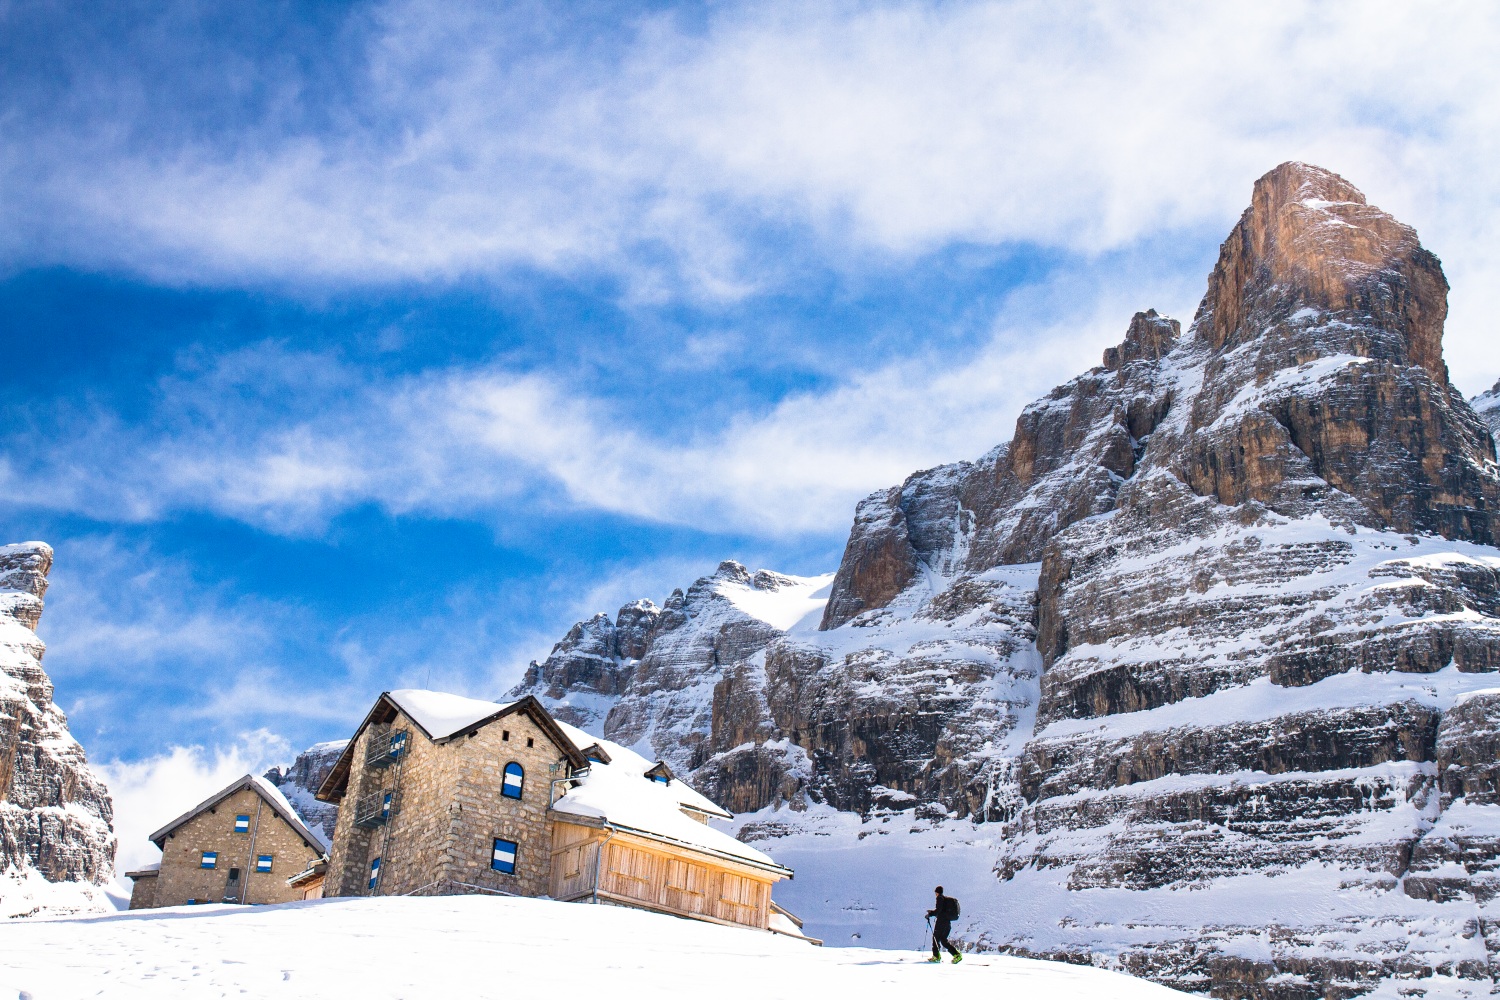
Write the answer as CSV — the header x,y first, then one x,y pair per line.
x,y
1488,407
1208,648
299,782
57,847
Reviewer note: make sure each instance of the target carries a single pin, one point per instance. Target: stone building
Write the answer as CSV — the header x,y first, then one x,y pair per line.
x,y
439,794
240,845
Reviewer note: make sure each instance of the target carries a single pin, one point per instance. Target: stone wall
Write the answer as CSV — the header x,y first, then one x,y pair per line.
x,y
446,812
183,878
483,813
143,892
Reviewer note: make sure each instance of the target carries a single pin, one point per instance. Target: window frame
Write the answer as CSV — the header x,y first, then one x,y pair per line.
x,y
495,851
505,786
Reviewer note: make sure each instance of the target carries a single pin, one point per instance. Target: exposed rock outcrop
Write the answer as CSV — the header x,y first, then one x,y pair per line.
x,y
300,780
1488,408
57,846
1215,637
682,682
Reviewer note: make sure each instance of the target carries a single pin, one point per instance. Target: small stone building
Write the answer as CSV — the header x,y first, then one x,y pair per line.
x,y
240,845
440,794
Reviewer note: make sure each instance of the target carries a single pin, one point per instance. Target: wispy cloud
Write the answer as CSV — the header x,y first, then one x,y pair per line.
x,y
149,792
287,439
706,155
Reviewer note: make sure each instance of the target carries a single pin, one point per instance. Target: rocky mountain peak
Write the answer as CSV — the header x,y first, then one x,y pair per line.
x,y
56,842
1488,408
733,571
1309,240
1149,337
1225,609
24,568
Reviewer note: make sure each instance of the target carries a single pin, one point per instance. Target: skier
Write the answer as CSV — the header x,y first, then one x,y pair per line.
x,y
946,911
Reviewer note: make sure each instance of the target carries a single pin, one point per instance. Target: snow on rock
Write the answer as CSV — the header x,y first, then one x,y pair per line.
x,y
477,946
1488,407
1206,650
299,781
57,845
670,681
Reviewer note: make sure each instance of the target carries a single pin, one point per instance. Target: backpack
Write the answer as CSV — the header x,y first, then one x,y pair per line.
x,y
950,908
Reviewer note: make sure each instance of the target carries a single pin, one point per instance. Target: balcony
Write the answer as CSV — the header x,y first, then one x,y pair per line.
x,y
373,810
383,750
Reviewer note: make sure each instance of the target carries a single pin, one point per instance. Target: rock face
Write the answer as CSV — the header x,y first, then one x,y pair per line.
x,y
1213,638
1488,408
56,842
299,782
682,682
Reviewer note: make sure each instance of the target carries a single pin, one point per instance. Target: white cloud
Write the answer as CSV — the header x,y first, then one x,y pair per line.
x,y
493,444
474,143
149,793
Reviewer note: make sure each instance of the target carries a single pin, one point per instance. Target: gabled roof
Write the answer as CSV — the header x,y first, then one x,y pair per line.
x,y
267,791
442,717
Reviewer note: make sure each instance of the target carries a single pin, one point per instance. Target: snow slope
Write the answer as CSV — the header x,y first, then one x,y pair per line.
x,y
475,946
865,883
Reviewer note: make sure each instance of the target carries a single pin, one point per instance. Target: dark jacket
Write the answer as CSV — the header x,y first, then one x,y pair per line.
x,y
946,909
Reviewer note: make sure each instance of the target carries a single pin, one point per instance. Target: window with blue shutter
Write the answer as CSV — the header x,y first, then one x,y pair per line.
x,y
398,743
210,859
263,863
385,806
661,778
514,777
374,872
242,824
503,858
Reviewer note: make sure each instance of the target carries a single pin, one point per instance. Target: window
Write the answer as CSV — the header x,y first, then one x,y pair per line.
x,y
530,742
514,776
505,735
234,874
374,872
503,858
661,778
398,743
385,806
263,863
242,824
210,859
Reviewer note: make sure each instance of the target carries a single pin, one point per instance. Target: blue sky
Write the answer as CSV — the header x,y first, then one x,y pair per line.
x,y
357,346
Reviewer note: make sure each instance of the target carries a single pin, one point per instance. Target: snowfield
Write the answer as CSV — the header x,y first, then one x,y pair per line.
x,y
475,946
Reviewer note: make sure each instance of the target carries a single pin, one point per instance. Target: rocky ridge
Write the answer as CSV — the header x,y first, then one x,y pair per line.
x,y
300,780
1488,407
1212,639
57,846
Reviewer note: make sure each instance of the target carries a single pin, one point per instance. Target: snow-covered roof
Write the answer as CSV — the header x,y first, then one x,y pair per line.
x,y
442,714
620,794
267,791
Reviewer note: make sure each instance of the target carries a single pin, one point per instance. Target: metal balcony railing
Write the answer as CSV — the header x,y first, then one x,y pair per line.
x,y
385,750
373,810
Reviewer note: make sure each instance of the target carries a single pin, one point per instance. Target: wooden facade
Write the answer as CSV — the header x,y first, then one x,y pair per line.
x,y
627,868
485,797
